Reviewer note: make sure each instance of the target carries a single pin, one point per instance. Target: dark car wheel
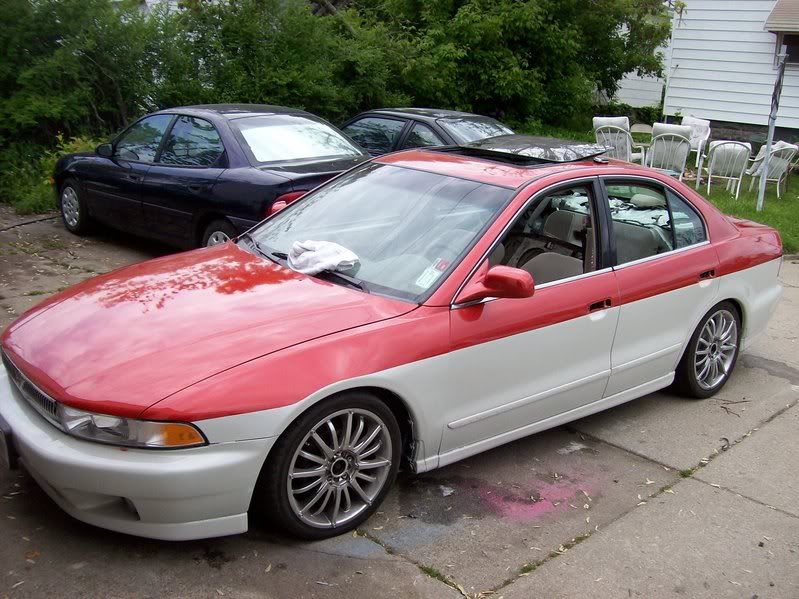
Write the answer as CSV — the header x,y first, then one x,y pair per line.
x,y
218,231
73,208
711,354
331,468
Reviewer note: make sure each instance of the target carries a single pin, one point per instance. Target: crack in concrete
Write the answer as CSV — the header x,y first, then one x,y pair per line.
x,y
28,222
752,499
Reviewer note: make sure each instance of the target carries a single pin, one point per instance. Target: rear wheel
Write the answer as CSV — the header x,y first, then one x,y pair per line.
x,y
711,354
72,206
217,232
331,468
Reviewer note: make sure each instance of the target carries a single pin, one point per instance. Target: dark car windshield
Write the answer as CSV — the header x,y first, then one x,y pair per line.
x,y
408,228
279,137
466,129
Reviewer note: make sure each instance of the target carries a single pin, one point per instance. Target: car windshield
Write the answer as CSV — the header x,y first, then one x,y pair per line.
x,y
408,228
468,129
280,137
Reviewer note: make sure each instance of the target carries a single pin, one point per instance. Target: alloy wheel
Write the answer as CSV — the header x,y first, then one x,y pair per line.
x,y
217,238
70,207
715,349
339,468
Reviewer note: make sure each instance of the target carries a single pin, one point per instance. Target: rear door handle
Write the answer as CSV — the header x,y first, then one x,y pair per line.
x,y
134,177
600,305
196,188
708,274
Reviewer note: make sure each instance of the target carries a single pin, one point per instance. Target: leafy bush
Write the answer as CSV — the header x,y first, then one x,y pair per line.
x,y
27,170
643,114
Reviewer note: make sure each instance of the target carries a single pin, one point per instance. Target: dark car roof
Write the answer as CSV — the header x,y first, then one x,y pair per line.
x,y
235,111
426,113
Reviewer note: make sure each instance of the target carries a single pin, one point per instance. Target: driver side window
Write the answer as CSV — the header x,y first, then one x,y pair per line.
x,y
140,143
554,238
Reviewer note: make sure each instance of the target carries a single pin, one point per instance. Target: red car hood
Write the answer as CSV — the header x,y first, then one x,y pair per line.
x,y
122,341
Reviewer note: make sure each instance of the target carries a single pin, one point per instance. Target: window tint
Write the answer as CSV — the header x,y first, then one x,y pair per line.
x,y
376,135
554,238
421,136
688,226
141,141
192,142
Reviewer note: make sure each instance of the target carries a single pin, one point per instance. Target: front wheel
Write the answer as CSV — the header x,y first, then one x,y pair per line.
x,y
331,468
711,354
73,208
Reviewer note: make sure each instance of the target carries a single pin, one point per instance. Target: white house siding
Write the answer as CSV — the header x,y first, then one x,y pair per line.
x,y
639,91
722,65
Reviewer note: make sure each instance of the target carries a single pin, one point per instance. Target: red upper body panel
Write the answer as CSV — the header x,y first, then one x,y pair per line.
x,y
122,341
177,326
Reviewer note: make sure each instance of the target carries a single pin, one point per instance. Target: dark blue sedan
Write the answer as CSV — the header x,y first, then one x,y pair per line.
x,y
200,175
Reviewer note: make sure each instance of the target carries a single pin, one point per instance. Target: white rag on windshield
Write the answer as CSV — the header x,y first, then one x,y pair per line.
x,y
312,257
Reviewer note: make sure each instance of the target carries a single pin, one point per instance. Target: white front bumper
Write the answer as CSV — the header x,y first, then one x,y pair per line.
x,y
162,494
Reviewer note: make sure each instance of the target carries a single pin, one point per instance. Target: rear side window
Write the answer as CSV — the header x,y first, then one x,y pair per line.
x,y
192,142
648,221
374,134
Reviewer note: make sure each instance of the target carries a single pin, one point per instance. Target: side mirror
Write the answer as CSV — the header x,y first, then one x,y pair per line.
x,y
105,150
497,281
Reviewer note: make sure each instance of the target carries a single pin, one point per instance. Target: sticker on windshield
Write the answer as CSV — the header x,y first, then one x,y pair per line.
x,y
431,273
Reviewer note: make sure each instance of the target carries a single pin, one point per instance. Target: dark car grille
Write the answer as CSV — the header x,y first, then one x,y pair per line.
x,y
38,400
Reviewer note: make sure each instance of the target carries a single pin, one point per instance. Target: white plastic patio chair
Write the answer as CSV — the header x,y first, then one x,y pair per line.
x,y
613,121
782,153
619,141
700,133
726,160
669,149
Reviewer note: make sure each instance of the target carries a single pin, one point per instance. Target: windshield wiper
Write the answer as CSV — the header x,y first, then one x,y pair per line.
x,y
349,280
267,252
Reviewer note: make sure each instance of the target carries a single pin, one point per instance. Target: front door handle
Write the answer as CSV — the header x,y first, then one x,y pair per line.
x,y
708,274
134,177
600,305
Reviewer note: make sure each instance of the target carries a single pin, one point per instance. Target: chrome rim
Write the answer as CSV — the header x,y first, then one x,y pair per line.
x,y
715,349
339,468
70,207
217,237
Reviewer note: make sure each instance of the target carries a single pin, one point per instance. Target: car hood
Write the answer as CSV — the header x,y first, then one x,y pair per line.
x,y
120,342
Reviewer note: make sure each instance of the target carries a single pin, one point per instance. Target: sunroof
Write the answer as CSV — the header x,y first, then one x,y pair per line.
x,y
529,149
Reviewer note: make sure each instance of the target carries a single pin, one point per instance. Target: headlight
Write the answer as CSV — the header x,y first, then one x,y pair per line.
x,y
128,432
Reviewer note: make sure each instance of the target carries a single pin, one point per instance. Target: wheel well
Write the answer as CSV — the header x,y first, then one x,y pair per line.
x,y
739,307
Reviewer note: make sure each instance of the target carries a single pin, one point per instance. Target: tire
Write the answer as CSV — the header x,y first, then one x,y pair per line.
x,y
218,231
72,207
701,377
338,475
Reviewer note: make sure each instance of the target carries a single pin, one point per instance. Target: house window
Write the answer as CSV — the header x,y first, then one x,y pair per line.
x,y
791,43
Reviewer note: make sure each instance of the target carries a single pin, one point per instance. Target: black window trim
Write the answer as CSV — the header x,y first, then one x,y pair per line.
x,y
407,132
220,162
119,137
667,189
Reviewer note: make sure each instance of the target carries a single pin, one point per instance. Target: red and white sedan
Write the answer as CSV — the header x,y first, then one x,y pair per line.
x,y
499,290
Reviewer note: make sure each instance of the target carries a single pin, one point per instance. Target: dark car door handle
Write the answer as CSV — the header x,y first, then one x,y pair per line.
x,y
134,177
600,305
196,188
708,274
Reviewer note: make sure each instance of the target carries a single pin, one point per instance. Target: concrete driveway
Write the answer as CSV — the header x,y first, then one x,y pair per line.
x,y
660,497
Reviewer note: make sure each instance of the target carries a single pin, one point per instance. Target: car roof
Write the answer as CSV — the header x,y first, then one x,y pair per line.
x,y
496,170
426,113
236,111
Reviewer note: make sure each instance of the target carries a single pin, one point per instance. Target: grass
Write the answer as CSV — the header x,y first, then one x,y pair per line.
x,y
782,214
687,473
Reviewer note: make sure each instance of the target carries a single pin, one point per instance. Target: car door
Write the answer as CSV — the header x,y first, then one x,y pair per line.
x,y
376,134
114,188
665,268
181,181
421,136
521,365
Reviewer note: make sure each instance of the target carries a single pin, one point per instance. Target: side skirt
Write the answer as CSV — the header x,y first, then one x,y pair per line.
x,y
603,404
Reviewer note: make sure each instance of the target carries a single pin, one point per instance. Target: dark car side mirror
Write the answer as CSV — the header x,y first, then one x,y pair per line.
x,y
105,150
497,281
